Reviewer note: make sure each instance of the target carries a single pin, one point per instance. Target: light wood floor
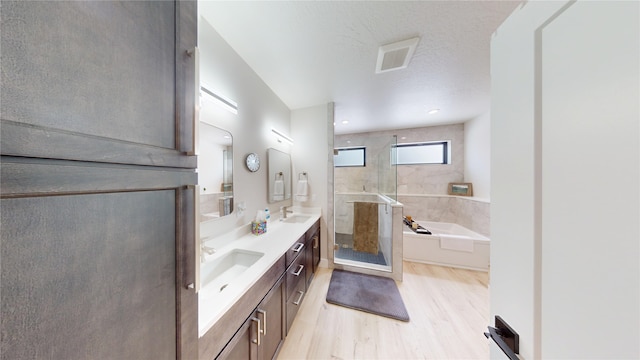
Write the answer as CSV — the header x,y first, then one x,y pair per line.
x,y
449,311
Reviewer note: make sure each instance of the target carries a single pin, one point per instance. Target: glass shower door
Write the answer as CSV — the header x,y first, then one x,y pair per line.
x,y
363,219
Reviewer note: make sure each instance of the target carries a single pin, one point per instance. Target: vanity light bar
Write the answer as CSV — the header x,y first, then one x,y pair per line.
x,y
221,100
289,140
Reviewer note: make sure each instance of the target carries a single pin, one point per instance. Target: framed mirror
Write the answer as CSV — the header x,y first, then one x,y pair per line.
x,y
279,164
215,172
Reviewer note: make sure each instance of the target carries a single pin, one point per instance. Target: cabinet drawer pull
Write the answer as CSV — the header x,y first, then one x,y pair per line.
x,y
297,273
298,247
257,340
315,242
300,298
264,322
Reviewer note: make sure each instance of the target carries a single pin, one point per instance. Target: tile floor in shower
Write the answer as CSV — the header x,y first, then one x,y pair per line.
x,y
345,251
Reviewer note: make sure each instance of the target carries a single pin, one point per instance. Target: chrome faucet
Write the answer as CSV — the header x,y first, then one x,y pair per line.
x,y
284,211
206,250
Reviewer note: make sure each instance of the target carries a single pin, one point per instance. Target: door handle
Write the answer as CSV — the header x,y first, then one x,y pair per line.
x,y
257,340
264,321
195,55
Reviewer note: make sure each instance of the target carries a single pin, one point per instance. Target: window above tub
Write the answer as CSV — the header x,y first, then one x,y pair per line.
x,y
431,152
346,157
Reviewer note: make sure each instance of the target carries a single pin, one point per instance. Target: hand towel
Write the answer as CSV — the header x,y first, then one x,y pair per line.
x,y
278,190
302,193
456,243
365,227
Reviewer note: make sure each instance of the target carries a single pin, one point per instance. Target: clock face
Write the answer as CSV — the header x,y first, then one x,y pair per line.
x,y
253,162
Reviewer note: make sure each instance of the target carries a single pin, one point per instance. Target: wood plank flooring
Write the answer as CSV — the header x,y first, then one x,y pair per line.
x,y
448,307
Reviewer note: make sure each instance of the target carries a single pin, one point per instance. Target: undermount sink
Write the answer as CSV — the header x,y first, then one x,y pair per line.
x,y
216,275
297,219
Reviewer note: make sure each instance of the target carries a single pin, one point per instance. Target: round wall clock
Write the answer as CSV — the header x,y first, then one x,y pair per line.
x,y
253,162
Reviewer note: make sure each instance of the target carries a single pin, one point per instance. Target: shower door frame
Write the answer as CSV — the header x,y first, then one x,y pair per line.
x,y
393,271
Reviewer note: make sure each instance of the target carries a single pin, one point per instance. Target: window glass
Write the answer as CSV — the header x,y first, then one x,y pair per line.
x,y
422,153
349,157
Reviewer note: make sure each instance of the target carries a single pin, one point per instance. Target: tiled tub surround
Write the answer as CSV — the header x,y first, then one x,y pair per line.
x,y
470,212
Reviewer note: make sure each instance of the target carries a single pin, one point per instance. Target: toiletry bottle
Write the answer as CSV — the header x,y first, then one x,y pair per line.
x,y
267,215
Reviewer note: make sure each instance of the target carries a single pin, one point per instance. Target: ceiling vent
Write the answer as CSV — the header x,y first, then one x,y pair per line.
x,y
396,56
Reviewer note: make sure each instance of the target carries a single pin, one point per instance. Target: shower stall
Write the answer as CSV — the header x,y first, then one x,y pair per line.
x,y
367,216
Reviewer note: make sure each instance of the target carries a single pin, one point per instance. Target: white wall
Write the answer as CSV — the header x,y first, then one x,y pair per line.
x,y
259,109
477,155
309,130
565,255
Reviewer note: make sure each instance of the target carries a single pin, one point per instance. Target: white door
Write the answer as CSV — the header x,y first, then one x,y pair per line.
x,y
565,217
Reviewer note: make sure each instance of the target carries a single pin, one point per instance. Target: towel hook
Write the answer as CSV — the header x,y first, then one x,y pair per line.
x,y
300,176
279,174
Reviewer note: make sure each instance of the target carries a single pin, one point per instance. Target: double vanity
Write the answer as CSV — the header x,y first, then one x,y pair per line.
x,y
251,286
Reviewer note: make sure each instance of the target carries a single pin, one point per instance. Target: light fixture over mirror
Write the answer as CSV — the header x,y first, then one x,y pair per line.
x,y
215,172
281,136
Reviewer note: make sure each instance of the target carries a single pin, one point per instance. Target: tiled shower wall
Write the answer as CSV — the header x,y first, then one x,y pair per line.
x,y
412,179
422,189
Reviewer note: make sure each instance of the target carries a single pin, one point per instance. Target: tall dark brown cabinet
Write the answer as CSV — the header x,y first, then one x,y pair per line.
x,y
96,179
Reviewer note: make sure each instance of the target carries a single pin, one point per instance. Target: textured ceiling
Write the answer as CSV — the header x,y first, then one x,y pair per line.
x,y
312,53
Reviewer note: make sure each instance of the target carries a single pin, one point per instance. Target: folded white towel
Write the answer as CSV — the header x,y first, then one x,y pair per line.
x,y
458,244
302,193
278,188
303,188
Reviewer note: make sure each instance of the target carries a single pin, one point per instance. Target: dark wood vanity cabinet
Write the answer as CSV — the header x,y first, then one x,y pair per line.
x,y
97,250
285,284
313,251
296,278
261,335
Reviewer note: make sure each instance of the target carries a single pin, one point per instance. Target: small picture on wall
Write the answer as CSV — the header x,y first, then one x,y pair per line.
x,y
461,189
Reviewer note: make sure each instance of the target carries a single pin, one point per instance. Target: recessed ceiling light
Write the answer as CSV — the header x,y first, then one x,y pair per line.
x,y
345,122
432,111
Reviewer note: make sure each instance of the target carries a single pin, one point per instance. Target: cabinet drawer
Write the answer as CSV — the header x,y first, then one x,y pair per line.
x,y
294,302
295,250
295,273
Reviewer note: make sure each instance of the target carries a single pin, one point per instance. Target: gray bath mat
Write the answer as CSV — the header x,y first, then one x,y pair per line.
x,y
373,294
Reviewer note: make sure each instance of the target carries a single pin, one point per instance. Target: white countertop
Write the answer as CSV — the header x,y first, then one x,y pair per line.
x,y
280,235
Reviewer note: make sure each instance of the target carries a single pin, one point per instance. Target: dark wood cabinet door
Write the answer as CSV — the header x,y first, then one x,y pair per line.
x,y
98,222
92,263
105,81
244,344
272,309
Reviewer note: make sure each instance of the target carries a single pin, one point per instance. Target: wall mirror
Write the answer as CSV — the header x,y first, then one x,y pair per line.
x,y
279,164
215,172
